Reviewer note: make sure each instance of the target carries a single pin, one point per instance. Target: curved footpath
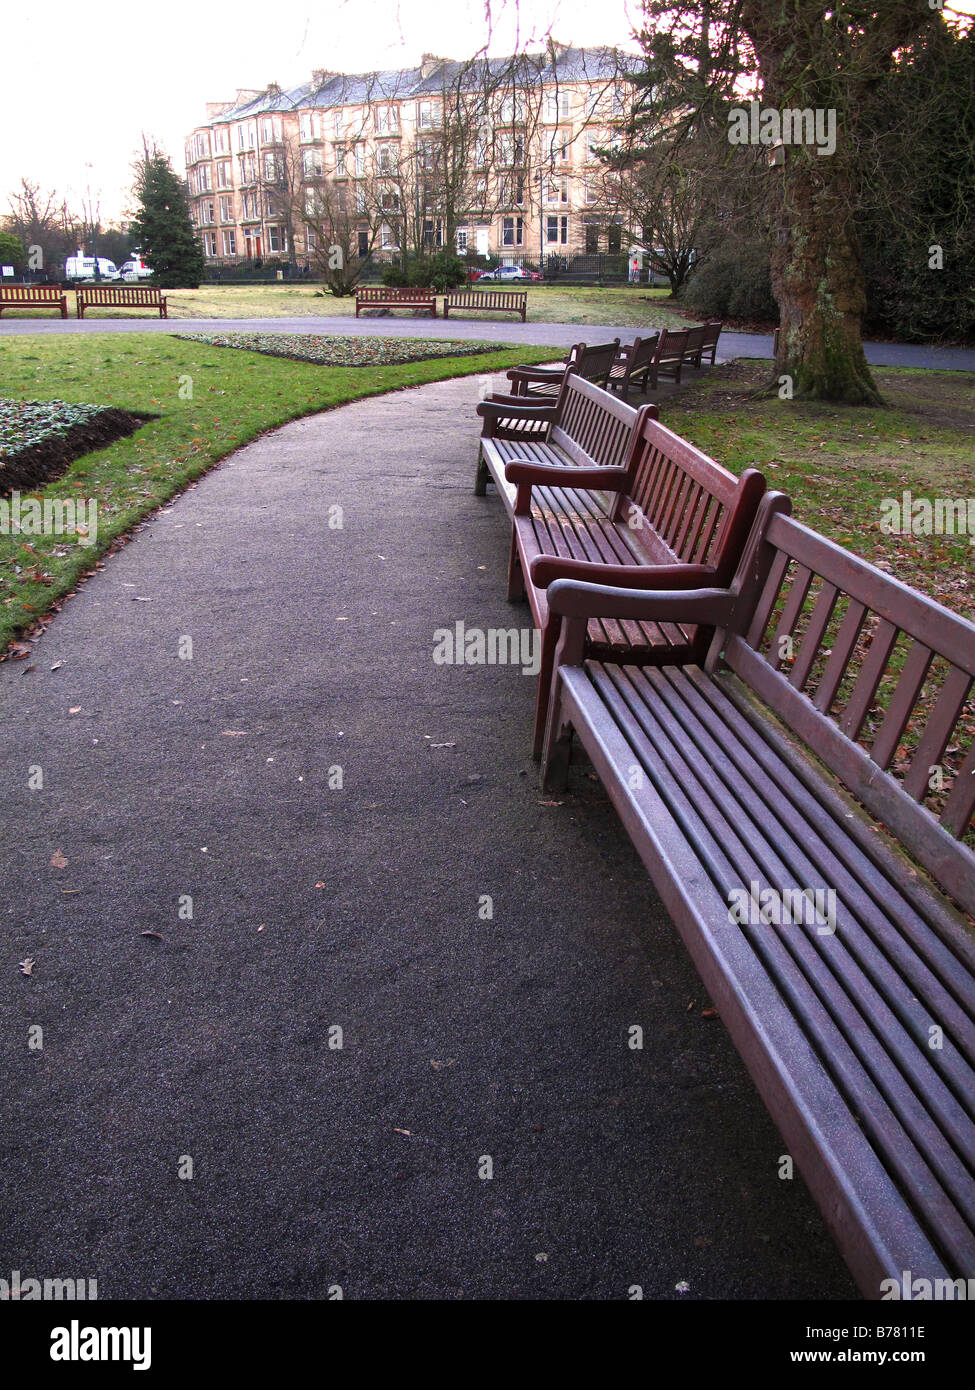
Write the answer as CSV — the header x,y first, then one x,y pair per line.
x,y
213,773
561,335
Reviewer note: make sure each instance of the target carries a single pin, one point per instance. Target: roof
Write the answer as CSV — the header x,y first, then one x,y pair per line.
x,y
555,66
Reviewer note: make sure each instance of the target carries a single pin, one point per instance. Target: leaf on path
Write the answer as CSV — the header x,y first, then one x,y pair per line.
x,y
58,860
27,966
234,733
156,936
75,709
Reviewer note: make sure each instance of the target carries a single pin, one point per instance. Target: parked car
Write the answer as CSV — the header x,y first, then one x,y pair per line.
x,y
510,273
83,268
134,270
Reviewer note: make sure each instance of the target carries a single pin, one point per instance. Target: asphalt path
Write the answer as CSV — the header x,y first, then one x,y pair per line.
x,y
560,335
267,814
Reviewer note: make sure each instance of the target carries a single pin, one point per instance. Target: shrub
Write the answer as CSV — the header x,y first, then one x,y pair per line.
x,y
733,283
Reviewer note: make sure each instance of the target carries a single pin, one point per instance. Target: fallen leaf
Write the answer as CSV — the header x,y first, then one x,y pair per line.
x,y
75,709
26,966
57,666
551,803
154,934
234,733
709,1013
58,860
403,1131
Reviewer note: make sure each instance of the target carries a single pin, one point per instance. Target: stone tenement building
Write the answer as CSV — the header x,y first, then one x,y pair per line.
x,y
518,139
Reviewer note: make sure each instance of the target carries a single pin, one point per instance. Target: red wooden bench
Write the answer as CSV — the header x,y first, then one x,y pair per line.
x,y
33,297
609,492
392,297
633,364
504,301
120,297
844,975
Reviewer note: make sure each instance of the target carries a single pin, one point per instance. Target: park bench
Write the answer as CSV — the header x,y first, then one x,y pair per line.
x,y
609,492
710,334
120,297
505,301
778,794
33,297
633,364
390,297
592,363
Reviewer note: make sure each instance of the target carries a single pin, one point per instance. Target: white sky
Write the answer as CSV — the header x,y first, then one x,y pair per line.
x,y
81,83
88,80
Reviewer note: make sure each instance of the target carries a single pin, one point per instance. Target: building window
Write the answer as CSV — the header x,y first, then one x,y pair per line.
x,y
513,190
206,181
557,189
462,235
226,209
209,243
309,126
271,130
248,169
557,231
247,135
270,168
556,107
224,175
311,164
337,130
341,153
229,243
206,212
512,231
360,161
386,158
277,238
249,201
221,140
614,239
387,120
427,115
481,191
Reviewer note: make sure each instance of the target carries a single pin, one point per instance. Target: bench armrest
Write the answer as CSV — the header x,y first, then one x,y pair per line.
x,y
499,398
541,374
557,475
712,607
546,569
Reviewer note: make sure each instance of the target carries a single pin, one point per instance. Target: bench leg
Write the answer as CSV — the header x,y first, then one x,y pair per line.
x,y
482,477
556,749
516,577
543,697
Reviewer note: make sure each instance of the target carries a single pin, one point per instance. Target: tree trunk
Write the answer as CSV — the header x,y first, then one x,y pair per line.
x,y
817,279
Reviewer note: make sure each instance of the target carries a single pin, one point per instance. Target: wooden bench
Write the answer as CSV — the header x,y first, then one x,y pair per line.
x,y
505,301
33,297
593,363
633,364
710,334
845,978
607,493
390,297
120,297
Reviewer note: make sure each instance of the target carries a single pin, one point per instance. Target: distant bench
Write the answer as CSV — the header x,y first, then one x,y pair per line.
x,y
33,297
510,301
120,297
389,297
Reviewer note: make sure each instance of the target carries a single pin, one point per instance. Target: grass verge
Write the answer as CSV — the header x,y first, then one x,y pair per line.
x,y
208,401
838,463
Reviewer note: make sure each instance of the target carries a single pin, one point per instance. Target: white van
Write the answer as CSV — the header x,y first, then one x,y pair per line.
x,y
134,270
83,268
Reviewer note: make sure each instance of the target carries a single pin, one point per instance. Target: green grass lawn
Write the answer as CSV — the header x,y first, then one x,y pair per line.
x,y
236,396
838,462
624,307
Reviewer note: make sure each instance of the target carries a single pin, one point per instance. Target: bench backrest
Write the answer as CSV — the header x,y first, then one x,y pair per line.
x,y
694,340
595,362
470,299
641,354
592,426
16,294
875,679
373,292
118,294
672,345
698,512
711,333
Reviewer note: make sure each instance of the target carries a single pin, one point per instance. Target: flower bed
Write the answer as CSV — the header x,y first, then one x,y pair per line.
x,y
39,439
341,351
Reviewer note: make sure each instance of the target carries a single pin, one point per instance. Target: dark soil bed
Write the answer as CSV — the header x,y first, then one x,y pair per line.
x,y
42,463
